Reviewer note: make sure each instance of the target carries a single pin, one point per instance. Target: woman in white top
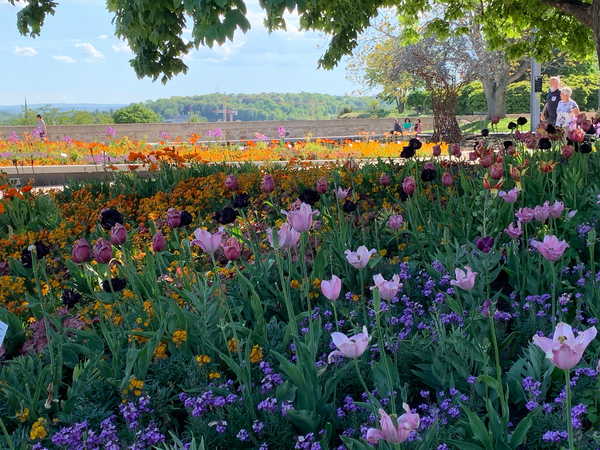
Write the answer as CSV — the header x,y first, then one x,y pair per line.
x,y
567,108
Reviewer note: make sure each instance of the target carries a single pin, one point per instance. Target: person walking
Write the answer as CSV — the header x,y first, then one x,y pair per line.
x,y
552,99
41,127
567,109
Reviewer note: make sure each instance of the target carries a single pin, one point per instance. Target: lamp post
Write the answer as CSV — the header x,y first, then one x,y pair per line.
x,y
536,88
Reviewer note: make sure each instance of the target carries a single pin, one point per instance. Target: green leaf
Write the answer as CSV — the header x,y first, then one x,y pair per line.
x,y
520,433
479,430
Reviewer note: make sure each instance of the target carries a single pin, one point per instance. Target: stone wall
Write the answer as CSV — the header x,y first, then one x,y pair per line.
x,y
231,130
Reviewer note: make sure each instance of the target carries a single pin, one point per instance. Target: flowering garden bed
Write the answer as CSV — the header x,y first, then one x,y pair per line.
x,y
421,305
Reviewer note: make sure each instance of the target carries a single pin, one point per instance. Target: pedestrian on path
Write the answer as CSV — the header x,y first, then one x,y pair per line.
x,y
552,99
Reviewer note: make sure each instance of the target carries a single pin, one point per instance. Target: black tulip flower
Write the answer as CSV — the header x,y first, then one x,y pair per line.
x,y
109,217
241,201
508,144
403,195
349,206
114,285
226,215
428,174
309,196
551,129
521,121
41,250
485,132
585,147
544,144
186,219
70,297
512,125
407,152
502,283
415,144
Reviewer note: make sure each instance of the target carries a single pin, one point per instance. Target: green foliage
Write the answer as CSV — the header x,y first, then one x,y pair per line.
x,y
268,106
136,113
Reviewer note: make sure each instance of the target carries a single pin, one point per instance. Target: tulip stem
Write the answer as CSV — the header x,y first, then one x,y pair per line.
x,y
568,406
364,384
498,368
553,269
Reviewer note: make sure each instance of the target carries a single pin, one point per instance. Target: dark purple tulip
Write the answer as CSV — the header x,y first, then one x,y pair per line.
x,y
485,244
159,243
81,251
103,251
118,234
173,217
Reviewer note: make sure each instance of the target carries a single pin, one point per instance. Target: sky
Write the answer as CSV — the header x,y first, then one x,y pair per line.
x,y
77,59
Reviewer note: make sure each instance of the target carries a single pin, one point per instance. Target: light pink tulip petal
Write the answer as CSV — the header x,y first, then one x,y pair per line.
x,y
563,329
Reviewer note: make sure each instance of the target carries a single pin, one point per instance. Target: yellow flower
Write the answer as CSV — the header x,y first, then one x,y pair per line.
x,y
232,345
355,297
128,294
316,283
23,415
420,228
406,259
136,386
160,352
256,354
203,359
45,289
295,284
402,247
383,252
179,337
214,375
38,429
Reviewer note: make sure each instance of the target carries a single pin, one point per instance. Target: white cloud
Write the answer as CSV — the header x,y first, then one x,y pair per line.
x,y
25,51
122,47
65,59
92,52
103,36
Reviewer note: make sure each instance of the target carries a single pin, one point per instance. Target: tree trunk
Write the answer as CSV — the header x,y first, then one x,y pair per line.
x,y
445,125
495,97
399,105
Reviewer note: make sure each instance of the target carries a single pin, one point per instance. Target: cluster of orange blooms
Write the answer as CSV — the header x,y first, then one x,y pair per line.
x,y
30,152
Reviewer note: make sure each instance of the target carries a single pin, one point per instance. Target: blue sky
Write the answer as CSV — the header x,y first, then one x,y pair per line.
x,y
77,59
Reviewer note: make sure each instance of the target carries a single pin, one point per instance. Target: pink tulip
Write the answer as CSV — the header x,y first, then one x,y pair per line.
x,y
409,185
341,194
576,135
556,209
102,251
360,258
567,151
541,212
268,184
118,234
525,215
564,349
465,279
486,160
473,156
287,237
395,221
208,241
550,248
301,219
447,179
385,179
510,196
349,347
159,243
173,217
331,288
497,171
321,186
514,231
437,150
81,251
231,182
394,433
387,289
232,249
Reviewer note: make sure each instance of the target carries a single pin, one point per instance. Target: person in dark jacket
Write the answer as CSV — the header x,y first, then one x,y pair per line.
x,y
552,99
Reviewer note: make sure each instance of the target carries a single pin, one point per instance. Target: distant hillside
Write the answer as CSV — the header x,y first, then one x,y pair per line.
x,y
268,106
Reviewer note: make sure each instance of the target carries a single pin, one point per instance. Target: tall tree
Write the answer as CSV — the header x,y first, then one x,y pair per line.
x,y
154,28
444,67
